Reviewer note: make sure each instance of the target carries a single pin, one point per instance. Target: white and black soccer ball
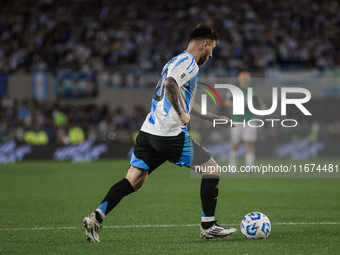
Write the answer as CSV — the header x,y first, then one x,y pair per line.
x,y
255,225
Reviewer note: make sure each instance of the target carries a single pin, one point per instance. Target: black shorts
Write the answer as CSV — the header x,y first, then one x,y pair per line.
x,y
151,151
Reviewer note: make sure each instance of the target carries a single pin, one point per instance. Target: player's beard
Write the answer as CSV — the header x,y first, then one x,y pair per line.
x,y
204,58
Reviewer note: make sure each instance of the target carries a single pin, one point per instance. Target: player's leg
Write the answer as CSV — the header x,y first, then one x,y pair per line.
x,y
233,154
137,177
209,192
185,151
209,196
134,179
200,157
250,137
250,153
236,134
143,161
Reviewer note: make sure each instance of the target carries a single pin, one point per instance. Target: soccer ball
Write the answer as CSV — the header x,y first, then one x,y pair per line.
x,y
255,225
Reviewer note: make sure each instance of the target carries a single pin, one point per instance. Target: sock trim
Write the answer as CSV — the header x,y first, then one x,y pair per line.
x,y
207,219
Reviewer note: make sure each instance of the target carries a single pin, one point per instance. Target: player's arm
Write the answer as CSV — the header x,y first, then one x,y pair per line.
x,y
196,111
172,92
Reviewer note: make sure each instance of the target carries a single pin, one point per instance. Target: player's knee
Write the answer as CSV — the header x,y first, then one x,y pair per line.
x,y
235,146
211,168
137,177
250,147
137,186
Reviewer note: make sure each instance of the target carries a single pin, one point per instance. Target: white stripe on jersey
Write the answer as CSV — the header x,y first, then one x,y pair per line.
x,y
163,119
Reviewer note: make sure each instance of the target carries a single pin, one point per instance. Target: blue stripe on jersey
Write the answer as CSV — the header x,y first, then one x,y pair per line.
x,y
167,106
159,92
154,103
152,118
136,162
187,153
180,62
193,69
170,62
191,63
188,91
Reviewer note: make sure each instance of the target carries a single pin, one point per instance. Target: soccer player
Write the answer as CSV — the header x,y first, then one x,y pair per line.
x,y
163,136
243,132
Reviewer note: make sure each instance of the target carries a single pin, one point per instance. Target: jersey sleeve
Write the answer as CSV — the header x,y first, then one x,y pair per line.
x,y
183,70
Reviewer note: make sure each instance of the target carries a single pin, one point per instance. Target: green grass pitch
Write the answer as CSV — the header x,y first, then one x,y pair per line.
x,y
43,204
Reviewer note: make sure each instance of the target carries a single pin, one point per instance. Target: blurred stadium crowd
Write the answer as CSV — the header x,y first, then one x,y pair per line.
x,y
40,123
130,35
143,35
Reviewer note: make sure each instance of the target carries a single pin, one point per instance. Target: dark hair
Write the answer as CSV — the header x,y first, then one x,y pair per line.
x,y
204,32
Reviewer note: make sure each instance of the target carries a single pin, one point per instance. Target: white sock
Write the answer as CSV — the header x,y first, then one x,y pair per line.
x,y
250,159
233,157
207,219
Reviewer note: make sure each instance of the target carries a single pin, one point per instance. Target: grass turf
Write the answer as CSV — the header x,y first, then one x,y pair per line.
x,y
40,200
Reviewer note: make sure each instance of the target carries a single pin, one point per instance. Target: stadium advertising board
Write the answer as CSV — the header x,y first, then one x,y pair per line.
x,y
11,152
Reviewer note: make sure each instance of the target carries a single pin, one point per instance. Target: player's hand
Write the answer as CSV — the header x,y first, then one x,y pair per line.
x,y
184,118
229,121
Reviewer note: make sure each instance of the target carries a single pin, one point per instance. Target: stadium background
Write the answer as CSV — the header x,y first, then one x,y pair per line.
x,y
76,81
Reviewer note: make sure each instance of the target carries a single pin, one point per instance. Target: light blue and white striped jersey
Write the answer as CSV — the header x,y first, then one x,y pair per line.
x,y
163,119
